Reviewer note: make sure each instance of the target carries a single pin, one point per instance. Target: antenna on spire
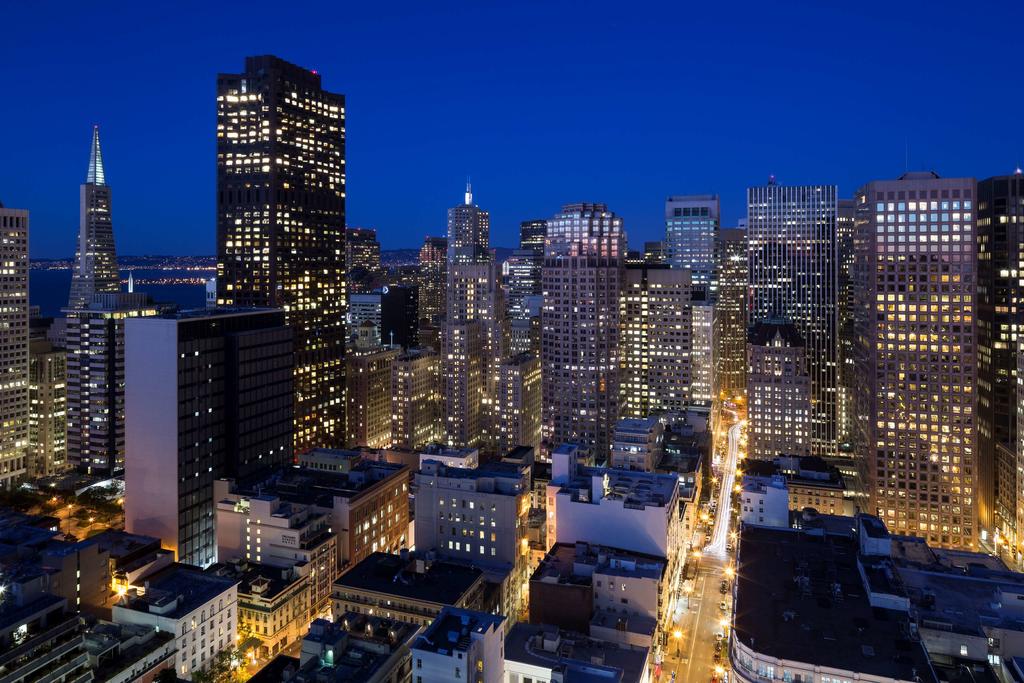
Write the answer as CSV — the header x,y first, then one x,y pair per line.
x,y
95,175
469,191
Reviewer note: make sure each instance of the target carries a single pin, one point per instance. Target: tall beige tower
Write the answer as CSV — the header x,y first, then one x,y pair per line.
x,y
915,269
14,405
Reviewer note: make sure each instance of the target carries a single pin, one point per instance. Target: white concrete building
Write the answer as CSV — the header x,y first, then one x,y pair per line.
x,y
633,511
198,608
461,645
764,501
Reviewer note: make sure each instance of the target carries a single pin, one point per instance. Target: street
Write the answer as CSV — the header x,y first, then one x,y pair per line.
x,y
701,621
723,520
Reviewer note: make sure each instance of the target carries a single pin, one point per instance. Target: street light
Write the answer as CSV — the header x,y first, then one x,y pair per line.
x,y
678,635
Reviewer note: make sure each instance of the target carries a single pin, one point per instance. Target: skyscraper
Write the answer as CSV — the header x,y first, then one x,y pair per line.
x,y
1019,450
731,313
48,403
433,278
474,296
96,379
519,401
463,382
362,250
691,227
792,270
582,280
95,269
703,352
1000,322
416,399
522,281
778,391
655,335
915,316
469,230
532,234
845,222
281,224
369,393
209,395
14,405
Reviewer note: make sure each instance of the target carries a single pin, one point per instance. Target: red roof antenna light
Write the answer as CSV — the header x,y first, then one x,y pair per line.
x,y
314,72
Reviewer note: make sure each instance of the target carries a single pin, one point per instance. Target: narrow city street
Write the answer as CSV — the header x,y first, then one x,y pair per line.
x,y
723,519
705,610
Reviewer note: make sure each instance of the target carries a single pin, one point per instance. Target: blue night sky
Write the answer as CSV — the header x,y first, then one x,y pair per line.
x,y
543,103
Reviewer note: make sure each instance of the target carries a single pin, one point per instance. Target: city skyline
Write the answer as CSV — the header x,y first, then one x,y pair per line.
x,y
782,442
727,151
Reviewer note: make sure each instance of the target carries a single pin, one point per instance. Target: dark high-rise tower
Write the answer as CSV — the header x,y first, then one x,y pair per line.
x,y
95,257
792,265
208,395
433,278
281,224
731,313
1000,321
532,234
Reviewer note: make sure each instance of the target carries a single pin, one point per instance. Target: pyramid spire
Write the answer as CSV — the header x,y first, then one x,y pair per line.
x,y
469,191
95,175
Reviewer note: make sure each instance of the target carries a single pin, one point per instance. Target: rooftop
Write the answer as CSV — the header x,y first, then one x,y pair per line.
x,y
800,597
508,478
638,489
454,628
119,647
958,591
319,487
256,580
801,470
439,582
122,544
766,332
354,648
176,590
581,658
632,425
576,563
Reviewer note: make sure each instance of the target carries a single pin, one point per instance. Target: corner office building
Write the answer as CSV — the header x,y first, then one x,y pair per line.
x,y
208,396
281,224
